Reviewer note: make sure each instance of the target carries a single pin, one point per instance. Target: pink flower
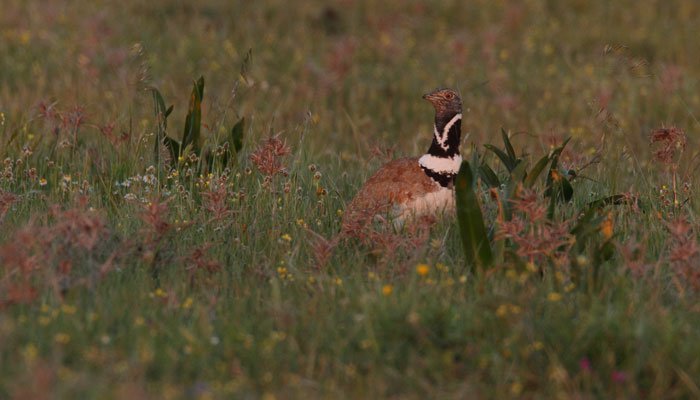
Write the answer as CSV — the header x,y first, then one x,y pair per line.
x,y
618,376
585,364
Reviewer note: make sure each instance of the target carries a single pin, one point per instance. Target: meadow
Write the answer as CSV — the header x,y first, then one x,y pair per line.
x,y
194,252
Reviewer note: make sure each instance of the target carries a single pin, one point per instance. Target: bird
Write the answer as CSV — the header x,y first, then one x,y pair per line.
x,y
414,187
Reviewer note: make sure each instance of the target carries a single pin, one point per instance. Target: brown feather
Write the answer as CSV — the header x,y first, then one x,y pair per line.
x,y
397,182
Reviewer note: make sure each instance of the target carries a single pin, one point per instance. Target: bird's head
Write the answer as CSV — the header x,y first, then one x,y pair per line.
x,y
445,101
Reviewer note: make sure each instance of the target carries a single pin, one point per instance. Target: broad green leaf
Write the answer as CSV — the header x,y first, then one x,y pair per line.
x,y
193,120
535,172
567,191
477,249
237,135
508,145
488,176
509,164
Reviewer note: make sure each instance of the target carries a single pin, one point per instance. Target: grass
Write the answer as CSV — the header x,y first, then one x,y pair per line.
x,y
114,284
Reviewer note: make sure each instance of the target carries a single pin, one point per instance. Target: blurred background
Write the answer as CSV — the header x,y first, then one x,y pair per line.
x,y
353,71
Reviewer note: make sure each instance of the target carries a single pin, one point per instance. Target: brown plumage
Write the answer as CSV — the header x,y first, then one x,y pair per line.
x,y
397,182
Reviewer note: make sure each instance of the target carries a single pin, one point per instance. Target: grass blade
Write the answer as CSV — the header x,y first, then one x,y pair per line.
x,y
477,249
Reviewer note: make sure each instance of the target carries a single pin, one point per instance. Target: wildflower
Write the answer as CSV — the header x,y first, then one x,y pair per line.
x,y
668,141
282,272
68,309
516,388
30,352
463,279
585,364
286,237
387,290
606,228
554,297
618,376
422,269
42,182
338,282
160,293
187,304
61,338
267,157
502,310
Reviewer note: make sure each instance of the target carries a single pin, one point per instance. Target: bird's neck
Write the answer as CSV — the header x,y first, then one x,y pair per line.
x,y
442,161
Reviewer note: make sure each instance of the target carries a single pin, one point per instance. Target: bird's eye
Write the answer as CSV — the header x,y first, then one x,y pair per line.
x,y
449,96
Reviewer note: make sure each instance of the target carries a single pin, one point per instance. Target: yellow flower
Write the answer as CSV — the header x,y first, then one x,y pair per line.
x,y
423,269
606,228
30,352
286,237
554,297
68,309
387,290
42,182
187,304
516,388
502,310
61,338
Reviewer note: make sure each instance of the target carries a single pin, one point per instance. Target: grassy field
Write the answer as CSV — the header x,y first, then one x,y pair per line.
x,y
222,275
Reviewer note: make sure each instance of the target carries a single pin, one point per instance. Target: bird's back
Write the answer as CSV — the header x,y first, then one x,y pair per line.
x,y
394,186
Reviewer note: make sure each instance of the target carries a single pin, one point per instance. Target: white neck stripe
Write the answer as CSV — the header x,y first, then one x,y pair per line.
x,y
442,165
442,138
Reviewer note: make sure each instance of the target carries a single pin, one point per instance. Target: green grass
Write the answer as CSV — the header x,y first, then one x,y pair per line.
x,y
99,301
